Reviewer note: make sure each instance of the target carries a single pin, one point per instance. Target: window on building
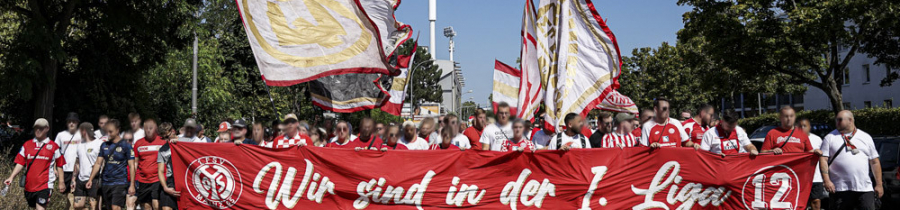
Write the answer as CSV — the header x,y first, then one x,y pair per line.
x,y
847,105
846,76
867,104
889,103
866,73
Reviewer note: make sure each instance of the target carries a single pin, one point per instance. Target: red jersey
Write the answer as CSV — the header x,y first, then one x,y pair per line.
x,y
694,130
438,147
146,153
729,144
474,136
41,174
636,132
397,146
799,141
525,144
284,142
586,131
669,134
616,140
374,143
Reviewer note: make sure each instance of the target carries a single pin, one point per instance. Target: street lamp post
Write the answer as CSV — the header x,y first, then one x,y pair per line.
x,y
412,97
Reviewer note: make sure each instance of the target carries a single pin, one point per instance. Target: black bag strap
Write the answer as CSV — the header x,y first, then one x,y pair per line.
x,y
559,140
371,141
831,159
583,144
28,166
789,138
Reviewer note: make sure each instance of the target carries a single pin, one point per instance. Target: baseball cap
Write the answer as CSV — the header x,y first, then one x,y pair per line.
x,y
622,117
41,122
290,118
72,116
190,123
240,123
224,126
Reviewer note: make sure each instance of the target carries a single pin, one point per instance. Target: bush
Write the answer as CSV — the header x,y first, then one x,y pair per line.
x,y
16,198
875,121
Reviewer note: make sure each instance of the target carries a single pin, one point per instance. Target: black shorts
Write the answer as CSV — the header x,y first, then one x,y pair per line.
x,y
114,195
38,198
67,178
147,192
166,200
81,189
817,191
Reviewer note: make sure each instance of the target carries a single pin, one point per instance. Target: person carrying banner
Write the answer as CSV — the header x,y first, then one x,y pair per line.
x,y
697,126
428,132
728,138
68,140
494,134
291,135
541,138
474,133
847,155
571,138
410,139
817,192
168,197
646,115
190,128
368,139
786,138
145,152
87,151
393,137
115,159
662,130
446,142
518,142
42,161
224,133
604,126
343,137
451,122
239,133
621,138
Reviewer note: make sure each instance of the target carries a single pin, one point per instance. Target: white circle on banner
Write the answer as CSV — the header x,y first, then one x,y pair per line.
x,y
213,181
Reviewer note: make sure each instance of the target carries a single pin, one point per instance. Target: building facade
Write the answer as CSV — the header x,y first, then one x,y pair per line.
x,y
452,83
861,88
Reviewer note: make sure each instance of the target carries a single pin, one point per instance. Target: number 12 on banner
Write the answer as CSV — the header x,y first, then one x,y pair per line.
x,y
778,179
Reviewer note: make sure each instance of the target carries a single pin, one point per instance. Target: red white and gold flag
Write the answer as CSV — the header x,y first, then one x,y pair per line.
x,y
531,91
506,85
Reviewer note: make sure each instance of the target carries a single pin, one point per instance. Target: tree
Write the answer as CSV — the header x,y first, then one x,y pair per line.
x,y
425,75
88,44
468,108
801,42
661,72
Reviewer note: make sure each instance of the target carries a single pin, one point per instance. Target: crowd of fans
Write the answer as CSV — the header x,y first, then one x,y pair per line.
x,y
129,168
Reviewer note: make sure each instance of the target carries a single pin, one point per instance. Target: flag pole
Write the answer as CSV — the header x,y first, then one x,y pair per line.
x,y
274,108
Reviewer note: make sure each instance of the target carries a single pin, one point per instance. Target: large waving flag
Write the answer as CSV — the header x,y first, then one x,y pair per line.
x,y
398,83
577,56
616,102
296,41
506,85
531,91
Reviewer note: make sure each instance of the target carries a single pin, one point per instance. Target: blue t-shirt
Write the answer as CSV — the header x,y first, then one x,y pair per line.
x,y
116,155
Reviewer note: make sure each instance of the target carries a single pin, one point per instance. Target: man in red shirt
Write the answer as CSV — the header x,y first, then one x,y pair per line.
x,y
664,131
696,126
42,161
145,153
291,135
474,133
787,138
393,136
368,138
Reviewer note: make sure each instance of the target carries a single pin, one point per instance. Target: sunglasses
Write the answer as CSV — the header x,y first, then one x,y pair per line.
x,y
392,134
342,129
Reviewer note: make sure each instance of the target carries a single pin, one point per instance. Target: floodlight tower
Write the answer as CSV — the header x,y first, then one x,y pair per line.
x,y
432,16
450,33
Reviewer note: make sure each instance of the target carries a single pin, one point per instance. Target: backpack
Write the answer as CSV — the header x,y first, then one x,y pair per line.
x,y
559,140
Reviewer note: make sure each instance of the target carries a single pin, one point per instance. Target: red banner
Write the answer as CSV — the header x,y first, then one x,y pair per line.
x,y
220,176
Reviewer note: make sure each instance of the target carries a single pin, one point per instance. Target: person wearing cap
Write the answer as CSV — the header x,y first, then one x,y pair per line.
x,y
239,133
145,153
621,137
68,140
224,132
137,130
291,135
728,138
190,131
43,162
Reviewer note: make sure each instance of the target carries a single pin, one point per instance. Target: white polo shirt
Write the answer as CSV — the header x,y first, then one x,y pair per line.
x,y
850,172
816,143
417,144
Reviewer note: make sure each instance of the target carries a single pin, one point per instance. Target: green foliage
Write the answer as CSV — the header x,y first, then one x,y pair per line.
x,y
468,108
794,42
425,75
662,72
870,120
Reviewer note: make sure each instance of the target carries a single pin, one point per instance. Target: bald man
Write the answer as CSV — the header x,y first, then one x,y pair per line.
x,y
848,154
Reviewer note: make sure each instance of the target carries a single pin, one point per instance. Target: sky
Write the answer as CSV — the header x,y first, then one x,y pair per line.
x,y
489,29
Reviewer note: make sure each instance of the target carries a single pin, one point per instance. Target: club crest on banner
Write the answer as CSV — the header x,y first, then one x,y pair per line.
x,y
213,181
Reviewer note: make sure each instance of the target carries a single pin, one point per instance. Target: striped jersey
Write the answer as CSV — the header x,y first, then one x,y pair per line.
x,y
614,140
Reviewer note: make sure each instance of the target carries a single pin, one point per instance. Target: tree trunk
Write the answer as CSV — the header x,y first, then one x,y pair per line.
x,y
833,90
46,91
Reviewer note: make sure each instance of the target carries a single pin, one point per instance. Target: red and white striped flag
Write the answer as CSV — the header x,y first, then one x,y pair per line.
x,y
531,93
506,85
397,92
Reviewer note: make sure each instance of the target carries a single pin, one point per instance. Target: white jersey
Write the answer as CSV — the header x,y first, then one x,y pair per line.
x,y
87,157
713,141
461,141
573,141
137,135
848,171
67,143
417,144
495,134
816,143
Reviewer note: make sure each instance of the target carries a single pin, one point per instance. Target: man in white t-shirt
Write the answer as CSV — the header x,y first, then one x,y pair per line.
x,y
68,140
136,128
541,138
664,131
727,138
87,152
845,169
817,192
101,122
410,139
495,134
572,137
451,121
